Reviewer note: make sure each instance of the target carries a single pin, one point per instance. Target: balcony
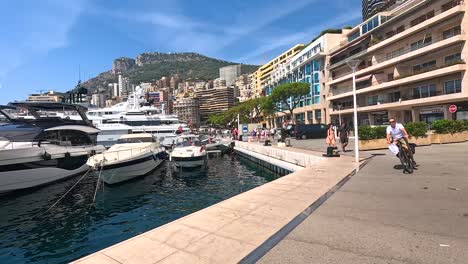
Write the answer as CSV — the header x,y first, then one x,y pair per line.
x,y
404,55
403,80
407,101
440,15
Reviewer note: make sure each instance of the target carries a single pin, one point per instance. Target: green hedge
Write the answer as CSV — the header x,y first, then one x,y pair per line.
x,y
414,129
368,132
449,126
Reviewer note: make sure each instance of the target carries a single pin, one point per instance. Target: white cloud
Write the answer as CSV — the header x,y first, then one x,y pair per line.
x,y
274,42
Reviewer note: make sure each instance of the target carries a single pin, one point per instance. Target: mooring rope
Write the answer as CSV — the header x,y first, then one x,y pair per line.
x,y
98,181
65,194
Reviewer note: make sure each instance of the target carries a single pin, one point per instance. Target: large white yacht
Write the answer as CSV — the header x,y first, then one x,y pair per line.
x,y
133,117
43,149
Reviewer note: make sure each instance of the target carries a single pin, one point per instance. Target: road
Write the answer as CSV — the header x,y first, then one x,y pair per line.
x,y
384,216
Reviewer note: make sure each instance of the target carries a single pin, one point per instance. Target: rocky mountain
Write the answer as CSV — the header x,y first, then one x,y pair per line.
x,y
149,67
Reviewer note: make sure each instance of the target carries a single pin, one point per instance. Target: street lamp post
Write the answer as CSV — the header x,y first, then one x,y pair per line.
x,y
339,113
354,64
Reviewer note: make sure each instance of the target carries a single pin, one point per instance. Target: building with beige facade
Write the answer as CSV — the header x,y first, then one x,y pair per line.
x,y
50,96
214,101
263,73
188,110
412,65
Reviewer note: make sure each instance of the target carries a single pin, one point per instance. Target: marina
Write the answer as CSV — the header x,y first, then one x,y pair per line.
x,y
77,227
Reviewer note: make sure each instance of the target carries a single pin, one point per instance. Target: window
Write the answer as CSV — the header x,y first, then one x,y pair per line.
x,y
390,76
353,36
427,40
422,18
316,89
372,100
310,115
424,91
450,4
451,32
316,64
307,69
451,59
316,77
371,24
395,53
400,29
318,115
390,34
317,99
424,67
452,87
394,96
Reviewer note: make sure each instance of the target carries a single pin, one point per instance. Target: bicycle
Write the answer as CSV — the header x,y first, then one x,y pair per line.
x,y
406,158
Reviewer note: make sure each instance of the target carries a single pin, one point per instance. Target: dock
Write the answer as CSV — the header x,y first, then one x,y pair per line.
x,y
244,227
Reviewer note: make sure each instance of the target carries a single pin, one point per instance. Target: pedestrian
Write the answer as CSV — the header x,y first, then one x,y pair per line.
x,y
236,133
343,135
330,140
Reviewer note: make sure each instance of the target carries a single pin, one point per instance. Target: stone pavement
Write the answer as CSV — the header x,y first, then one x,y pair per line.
x,y
236,228
384,216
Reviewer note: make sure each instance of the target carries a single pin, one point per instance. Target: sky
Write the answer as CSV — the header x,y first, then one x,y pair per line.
x,y
44,45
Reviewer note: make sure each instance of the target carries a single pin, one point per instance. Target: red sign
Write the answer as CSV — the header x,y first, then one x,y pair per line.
x,y
453,109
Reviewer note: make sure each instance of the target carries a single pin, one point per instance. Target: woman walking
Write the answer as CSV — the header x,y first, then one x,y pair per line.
x,y
330,140
343,135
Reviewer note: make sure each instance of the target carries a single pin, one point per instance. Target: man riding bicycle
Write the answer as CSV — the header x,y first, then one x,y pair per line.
x,y
396,132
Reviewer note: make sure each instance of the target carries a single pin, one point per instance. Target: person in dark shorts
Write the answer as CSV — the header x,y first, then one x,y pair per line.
x,y
343,135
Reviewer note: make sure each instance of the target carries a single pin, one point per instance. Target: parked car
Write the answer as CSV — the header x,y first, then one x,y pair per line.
x,y
303,131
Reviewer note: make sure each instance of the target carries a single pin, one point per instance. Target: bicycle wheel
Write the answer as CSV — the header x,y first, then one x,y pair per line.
x,y
407,163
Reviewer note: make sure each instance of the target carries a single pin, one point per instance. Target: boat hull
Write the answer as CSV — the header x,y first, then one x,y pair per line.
x,y
124,171
31,178
189,162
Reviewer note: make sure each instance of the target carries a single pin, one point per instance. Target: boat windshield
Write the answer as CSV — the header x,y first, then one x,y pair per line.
x,y
134,140
186,142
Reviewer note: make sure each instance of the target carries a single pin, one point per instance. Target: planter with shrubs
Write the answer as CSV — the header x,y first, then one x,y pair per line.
x,y
449,131
372,138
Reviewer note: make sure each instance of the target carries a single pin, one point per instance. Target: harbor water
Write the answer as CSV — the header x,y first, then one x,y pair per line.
x,y
77,227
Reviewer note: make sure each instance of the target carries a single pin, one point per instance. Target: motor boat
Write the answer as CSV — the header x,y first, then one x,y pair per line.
x,y
134,155
45,148
188,152
211,143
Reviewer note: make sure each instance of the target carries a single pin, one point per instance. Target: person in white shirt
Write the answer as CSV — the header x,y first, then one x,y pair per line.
x,y
396,132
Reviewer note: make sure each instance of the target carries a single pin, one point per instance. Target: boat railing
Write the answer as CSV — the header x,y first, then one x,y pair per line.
x,y
117,155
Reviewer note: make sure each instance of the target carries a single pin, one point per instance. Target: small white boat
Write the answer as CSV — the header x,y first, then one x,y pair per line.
x,y
188,152
134,155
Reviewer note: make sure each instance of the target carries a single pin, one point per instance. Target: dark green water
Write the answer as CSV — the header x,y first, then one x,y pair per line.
x,y
75,227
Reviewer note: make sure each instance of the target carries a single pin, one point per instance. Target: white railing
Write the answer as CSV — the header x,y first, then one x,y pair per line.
x,y
109,156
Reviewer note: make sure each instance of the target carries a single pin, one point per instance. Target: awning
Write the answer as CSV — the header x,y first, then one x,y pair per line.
x,y
363,78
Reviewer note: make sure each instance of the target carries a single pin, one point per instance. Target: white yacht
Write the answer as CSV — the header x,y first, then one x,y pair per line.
x,y
188,152
43,149
134,155
130,117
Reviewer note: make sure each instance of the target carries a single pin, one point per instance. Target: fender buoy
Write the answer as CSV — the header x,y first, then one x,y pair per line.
x,y
67,155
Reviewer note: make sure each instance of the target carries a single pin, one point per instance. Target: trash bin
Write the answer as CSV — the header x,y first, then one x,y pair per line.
x,y
287,141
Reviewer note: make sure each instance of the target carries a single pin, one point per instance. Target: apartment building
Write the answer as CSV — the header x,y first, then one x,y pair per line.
x,y
214,101
264,72
188,110
307,66
412,65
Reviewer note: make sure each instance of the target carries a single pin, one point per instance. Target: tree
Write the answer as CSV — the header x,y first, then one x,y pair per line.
x,y
281,94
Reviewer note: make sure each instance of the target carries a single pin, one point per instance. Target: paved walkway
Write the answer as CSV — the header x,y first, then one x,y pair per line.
x,y
384,216
234,229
